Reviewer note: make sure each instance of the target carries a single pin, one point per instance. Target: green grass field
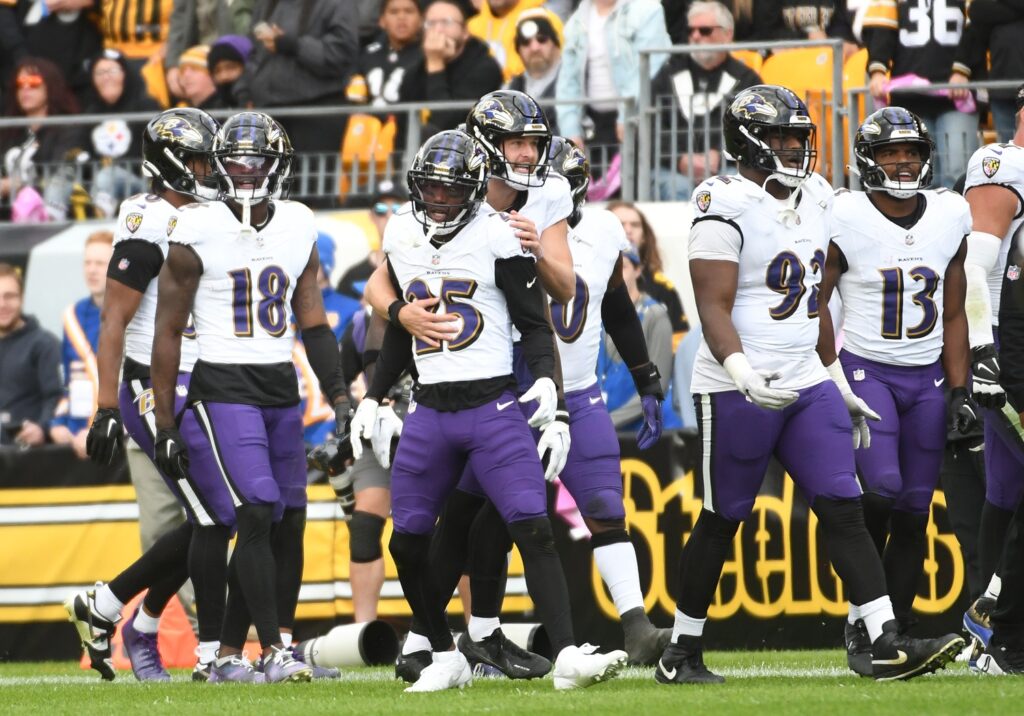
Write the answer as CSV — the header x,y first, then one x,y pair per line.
x,y
761,683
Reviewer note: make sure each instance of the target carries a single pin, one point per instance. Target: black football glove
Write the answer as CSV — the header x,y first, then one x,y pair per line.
x,y
105,440
170,456
342,417
985,375
963,410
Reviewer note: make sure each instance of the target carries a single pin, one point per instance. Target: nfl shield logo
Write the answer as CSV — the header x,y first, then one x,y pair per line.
x,y
1013,272
122,265
989,165
858,374
171,223
435,259
704,201
133,221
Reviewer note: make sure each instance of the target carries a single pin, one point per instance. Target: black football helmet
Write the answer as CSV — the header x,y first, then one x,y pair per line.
x,y
253,156
893,125
504,114
447,182
760,112
568,160
172,140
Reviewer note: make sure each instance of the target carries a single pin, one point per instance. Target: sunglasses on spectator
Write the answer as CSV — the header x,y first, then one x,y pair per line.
x,y
382,207
703,30
541,40
24,81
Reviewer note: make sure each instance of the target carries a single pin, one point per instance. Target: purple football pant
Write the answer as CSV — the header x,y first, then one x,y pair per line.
x,y
593,472
811,438
494,439
1004,457
908,443
255,452
135,399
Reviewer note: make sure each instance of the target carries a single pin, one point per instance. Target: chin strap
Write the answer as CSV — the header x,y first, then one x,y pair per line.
x,y
787,216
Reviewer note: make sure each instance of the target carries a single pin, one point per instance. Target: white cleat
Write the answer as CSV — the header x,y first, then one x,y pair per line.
x,y
448,670
578,667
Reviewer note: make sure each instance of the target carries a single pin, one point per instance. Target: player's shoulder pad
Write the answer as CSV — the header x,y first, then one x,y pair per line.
x,y
499,234
996,164
557,193
144,217
604,228
298,217
953,206
848,205
723,196
402,229
818,188
191,223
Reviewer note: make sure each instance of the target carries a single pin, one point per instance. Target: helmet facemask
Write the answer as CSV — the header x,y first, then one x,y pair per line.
x,y
442,206
789,166
874,177
505,115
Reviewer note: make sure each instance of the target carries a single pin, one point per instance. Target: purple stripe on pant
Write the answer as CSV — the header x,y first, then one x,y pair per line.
x,y
811,438
494,439
908,443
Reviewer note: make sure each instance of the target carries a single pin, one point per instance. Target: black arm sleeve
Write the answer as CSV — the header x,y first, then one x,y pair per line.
x,y
393,360
623,325
351,361
135,263
325,359
517,278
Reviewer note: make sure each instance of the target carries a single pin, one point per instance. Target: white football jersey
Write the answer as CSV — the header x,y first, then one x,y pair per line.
x,y
242,308
549,203
780,267
595,243
1001,164
147,217
461,273
892,289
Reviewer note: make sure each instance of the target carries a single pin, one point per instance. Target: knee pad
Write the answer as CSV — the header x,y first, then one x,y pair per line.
x,y
533,535
408,549
603,506
607,537
364,533
842,518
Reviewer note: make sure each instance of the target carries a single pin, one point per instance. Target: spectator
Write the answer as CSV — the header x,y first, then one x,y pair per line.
x,y
455,65
613,374
31,155
905,49
369,15
390,197
496,25
656,283
699,86
996,29
30,384
600,60
539,44
137,28
226,63
197,86
201,22
383,64
339,307
304,54
752,20
78,353
62,31
817,20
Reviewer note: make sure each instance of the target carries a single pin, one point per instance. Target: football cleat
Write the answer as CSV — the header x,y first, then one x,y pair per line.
x,y
447,670
858,648
408,667
1001,660
94,631
319,672
234,669
578,667
280,666
143,652
977,619
499,651
896,656
201,672
683,663
644,641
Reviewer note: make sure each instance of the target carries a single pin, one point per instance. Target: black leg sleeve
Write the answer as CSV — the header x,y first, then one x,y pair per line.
x,y
992,536
208,567
410,553
700,564
166,555
877,510
545,579
1008,616
286,540
963,480
254,561
853,555
236,619
490,543
904,560
449,547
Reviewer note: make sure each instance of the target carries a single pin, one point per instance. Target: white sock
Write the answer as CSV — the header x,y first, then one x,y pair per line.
x,y
617,565
876,613
687,626
107,605
145,623
451,655
207,651
994,586
482,627
854,614
415,642
286,638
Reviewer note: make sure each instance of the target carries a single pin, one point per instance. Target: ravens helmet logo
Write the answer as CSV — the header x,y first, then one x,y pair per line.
x,y
750,105
179,129
492,113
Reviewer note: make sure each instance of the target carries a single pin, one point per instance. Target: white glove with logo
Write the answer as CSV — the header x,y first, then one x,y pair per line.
x,y
755,384
361,427
387,426
546,395
554,444
860,412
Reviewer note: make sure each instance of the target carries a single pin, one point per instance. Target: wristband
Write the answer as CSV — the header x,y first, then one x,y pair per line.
x,y
393,310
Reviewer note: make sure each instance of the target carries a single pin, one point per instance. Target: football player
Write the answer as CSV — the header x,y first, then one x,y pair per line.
x,y
176,147
897,259
757,249
453,246
241,266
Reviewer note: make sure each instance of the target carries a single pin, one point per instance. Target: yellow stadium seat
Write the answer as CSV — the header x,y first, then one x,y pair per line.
x,y
801,70
367,141
156,82
751,58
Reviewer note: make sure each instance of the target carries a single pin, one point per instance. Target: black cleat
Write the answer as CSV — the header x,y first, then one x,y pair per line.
x,y
409,666
1001,660
683,663
505,655
897,657
645,643
94,631
858,648
978,619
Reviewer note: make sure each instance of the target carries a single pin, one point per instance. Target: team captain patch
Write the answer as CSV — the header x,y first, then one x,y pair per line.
x,y
704,201
133,222
989,165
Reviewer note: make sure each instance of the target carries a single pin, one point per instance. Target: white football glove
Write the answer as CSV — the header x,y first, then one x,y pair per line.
x,y
860,412
755,384
361,427
546,395
386,427
554,442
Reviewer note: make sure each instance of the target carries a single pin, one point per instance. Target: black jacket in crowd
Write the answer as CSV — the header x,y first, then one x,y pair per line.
x,y
997,28
30,376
